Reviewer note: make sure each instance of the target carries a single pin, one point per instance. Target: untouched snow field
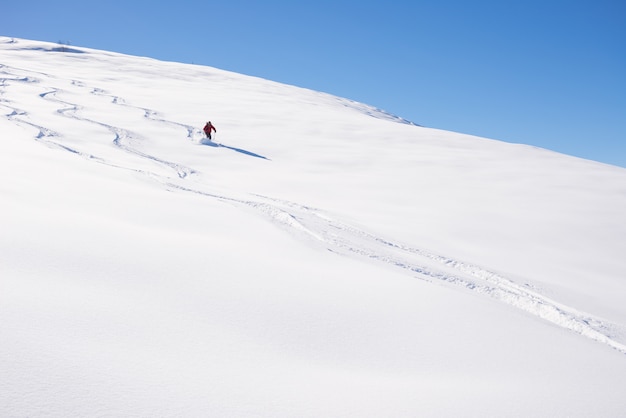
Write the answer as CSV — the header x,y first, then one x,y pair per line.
x,y
320,258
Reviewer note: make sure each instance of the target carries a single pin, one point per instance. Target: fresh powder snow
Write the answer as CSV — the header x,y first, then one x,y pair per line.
x,y
319,258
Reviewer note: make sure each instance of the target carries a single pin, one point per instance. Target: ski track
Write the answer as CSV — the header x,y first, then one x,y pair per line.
x,y
122,138
313,224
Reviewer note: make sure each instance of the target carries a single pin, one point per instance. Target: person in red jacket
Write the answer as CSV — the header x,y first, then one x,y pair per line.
x,y
207,129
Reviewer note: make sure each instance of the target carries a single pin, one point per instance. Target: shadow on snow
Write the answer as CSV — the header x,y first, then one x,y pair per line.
x,y
210,143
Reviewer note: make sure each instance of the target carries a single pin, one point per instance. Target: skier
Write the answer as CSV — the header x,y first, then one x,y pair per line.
x,y
207,129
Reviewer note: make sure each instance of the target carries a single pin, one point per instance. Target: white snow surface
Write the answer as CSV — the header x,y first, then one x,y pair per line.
x,y
319,258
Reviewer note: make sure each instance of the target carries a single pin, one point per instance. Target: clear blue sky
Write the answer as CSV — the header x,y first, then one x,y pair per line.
x,y
549,73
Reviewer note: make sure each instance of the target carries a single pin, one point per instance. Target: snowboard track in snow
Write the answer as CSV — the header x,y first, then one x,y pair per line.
x,y
348,240
309,224
315,226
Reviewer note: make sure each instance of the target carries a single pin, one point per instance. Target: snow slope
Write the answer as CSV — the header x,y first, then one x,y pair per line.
x,y
320,258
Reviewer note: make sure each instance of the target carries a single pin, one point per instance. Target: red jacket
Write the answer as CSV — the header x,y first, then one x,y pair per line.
x,y
208,127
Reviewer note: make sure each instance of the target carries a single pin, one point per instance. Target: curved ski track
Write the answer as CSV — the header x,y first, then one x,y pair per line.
x,y
319,228
122,138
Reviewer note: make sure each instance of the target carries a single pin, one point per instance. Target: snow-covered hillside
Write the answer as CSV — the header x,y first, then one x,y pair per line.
x,y
319,258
